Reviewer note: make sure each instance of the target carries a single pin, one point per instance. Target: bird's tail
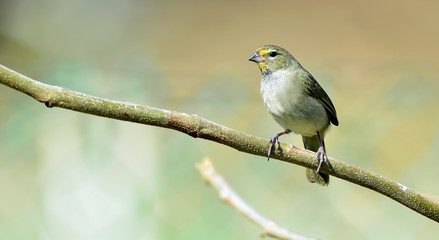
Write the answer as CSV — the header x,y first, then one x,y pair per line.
x,y
313,144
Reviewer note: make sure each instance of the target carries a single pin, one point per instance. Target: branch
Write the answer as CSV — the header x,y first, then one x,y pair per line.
x,y
53,96
229,196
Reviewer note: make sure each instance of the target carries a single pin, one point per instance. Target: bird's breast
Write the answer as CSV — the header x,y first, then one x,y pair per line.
x,y
291,107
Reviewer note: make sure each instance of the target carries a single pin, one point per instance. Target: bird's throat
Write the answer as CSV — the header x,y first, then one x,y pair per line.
x,y
263,67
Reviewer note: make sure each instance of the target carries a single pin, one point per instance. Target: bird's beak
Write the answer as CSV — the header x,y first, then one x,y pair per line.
x,y
256,58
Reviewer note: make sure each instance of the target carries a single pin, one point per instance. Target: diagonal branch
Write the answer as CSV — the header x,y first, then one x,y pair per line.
x,y
53,96
229,196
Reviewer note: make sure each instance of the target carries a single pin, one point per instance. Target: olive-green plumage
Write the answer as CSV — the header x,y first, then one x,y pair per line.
x,y
296,101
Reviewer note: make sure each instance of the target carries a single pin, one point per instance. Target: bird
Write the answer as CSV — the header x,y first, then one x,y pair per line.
x,y
297,102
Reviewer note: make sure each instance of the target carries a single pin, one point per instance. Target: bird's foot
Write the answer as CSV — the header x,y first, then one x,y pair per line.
x,y
275,140
321,156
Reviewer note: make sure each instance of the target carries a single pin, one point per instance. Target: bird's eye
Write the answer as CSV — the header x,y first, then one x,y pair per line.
x,y
273,54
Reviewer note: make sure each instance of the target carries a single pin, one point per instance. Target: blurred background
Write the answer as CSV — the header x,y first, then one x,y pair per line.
x,y
68,175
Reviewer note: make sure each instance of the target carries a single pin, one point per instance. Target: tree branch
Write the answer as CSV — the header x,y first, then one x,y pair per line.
x,y
53,96
229,196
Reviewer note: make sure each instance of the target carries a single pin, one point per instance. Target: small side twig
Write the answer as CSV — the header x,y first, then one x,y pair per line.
x,y
229,196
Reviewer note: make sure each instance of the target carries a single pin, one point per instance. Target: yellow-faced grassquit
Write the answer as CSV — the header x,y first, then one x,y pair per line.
x,y
296,101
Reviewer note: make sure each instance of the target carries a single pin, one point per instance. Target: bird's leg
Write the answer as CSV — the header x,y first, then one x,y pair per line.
x,y
321,155
274,140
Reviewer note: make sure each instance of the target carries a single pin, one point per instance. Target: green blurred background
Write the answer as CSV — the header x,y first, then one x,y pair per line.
x,y
67,175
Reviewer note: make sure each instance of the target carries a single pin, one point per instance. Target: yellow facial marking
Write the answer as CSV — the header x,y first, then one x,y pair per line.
x,y
262,52
262,66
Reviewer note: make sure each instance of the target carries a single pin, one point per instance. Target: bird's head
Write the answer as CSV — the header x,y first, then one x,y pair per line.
x,y
271,58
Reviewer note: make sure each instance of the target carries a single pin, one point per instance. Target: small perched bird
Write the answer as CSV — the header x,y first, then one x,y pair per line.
x,y
296,101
